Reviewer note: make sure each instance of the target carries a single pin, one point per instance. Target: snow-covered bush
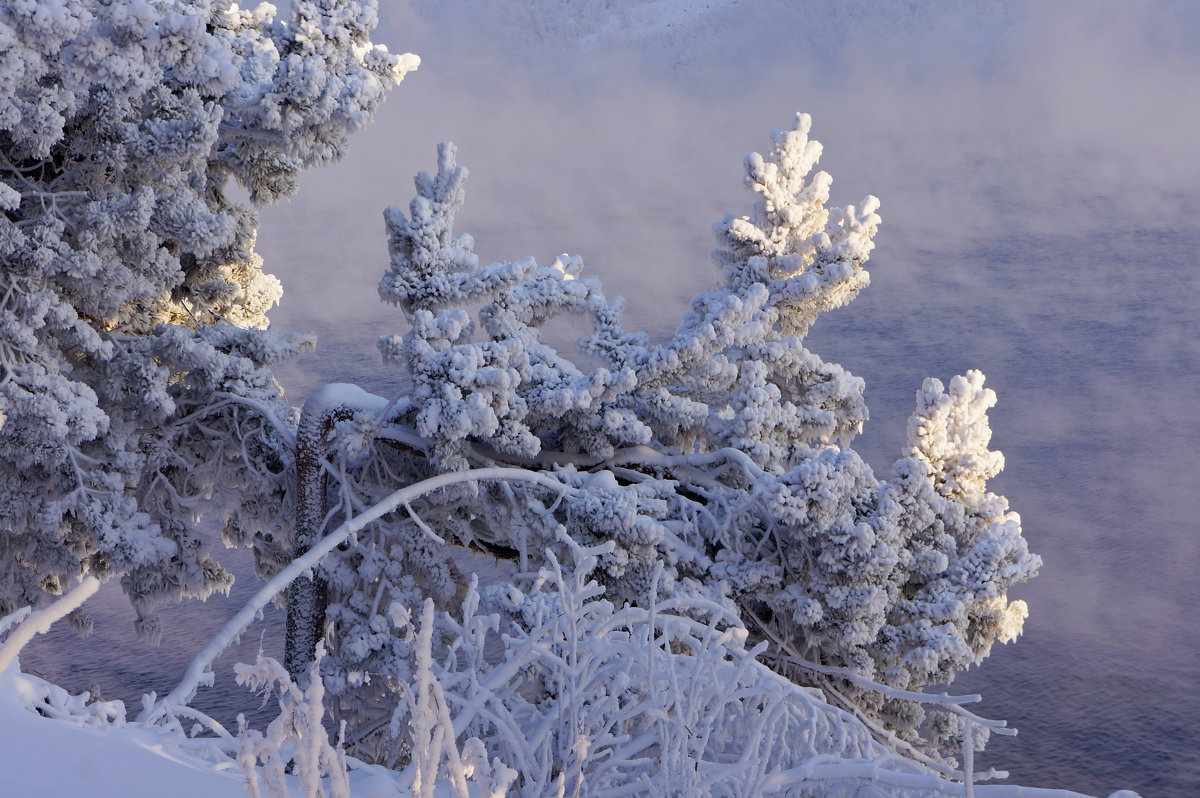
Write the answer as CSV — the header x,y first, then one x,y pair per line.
x,y
134,383
583,697
713,466
295,739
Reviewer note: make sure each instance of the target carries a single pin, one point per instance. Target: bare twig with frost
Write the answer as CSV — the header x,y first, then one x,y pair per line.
x,y
295,737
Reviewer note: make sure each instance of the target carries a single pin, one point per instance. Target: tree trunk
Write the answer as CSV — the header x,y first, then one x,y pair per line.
x,y
308,597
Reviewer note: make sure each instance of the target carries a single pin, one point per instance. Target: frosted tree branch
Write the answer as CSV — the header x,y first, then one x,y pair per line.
x,y
40,622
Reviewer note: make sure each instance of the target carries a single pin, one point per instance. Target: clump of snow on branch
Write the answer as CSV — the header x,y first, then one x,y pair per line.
x,y
135,390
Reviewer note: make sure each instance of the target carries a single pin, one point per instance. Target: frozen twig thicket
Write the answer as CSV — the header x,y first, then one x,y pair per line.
x,y
296,736
581,697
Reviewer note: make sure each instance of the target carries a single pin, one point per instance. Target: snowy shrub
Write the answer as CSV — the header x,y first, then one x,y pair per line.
x,y
715,465
583,697
295,738
134,382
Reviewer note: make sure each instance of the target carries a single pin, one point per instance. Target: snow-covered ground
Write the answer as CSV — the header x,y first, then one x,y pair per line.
x,y
53,745
82,755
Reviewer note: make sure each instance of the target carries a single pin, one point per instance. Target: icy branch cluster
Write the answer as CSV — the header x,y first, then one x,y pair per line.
x,y
555,690
583,697
715,465
134,383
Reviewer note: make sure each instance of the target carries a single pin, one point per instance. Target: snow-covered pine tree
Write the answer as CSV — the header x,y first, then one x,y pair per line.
x,y
717,462
135,392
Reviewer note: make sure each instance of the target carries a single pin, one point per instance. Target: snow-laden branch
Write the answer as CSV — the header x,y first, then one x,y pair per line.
x,y
199,672
124,383
41,621
284,430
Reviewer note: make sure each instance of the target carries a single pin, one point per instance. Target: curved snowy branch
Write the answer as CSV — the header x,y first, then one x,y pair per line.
x,y
39,622
198,670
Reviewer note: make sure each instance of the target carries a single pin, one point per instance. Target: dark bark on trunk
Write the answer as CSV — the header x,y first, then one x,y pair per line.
x,y
308,597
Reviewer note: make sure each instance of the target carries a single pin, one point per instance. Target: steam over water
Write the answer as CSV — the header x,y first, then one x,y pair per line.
x,y
1039,181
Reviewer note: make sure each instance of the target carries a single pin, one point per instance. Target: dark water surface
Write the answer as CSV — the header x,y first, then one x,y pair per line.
x,y
113,664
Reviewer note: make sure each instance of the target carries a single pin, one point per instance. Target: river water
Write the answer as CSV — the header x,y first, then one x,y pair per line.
x,y
1097,382
1038,176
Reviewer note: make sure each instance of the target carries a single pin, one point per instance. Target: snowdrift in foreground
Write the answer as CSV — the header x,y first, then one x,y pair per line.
x,y
90,751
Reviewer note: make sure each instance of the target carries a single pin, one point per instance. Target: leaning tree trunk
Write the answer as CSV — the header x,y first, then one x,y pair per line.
x,y
308,597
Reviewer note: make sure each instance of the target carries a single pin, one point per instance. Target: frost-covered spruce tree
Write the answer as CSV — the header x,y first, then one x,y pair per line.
x,y
135,392
717,463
